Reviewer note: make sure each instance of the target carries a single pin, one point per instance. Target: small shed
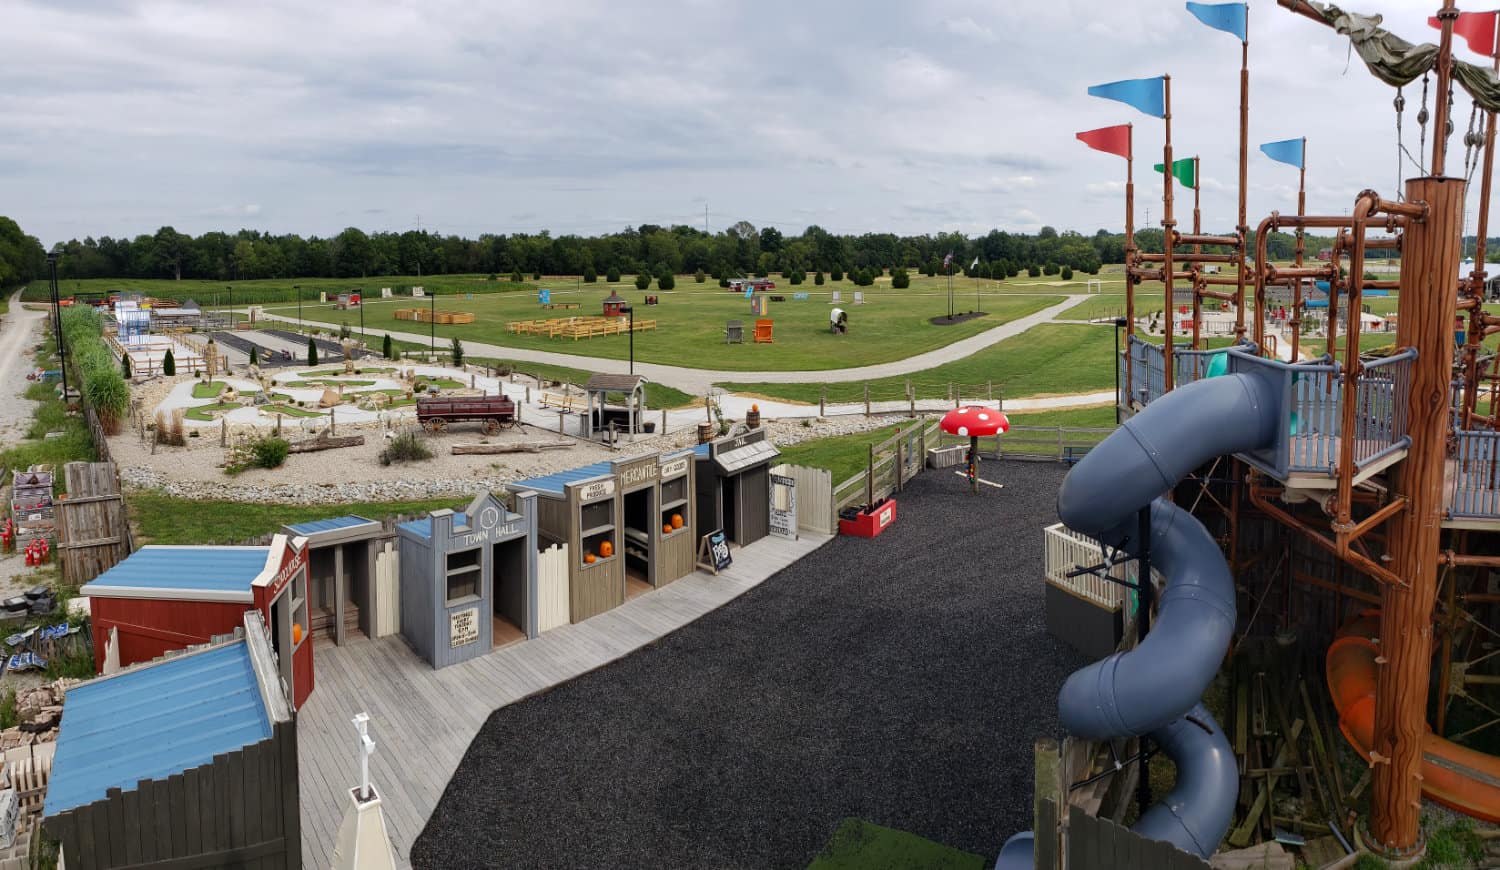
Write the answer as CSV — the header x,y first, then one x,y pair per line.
x,y
734,486
198,750
468,580
162,599
341,574
600,386
657,518
613,303
581,510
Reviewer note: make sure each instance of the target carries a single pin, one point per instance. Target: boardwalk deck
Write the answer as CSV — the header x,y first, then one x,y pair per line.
x,y
424,720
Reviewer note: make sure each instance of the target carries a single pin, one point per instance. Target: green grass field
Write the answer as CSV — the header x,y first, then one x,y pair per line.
x,y
860,845
1049,359
164,519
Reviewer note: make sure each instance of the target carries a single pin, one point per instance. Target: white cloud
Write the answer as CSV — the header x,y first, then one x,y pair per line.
x,y
968,27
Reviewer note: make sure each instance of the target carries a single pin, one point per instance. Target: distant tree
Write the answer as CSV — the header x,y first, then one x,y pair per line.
x,y
536,275
724,281
589,275
254,356
762,272
699,276
1067,273
836,273
642,280
1049,269
899,279
818,277
933,267
312,351
516,277
169,364
794,277
1033,271
613,275
388,347
1013,269
458,352
667,281
125,362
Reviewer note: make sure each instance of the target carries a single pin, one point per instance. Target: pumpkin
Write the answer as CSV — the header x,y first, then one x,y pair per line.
x,y
589,558
606,549
676,521
666,529
296,633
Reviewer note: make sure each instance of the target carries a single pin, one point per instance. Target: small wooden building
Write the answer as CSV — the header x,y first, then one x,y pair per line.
x,y
341,574
599,414
613,303
581,510
188,761
734,486
163,599
656,510
468,580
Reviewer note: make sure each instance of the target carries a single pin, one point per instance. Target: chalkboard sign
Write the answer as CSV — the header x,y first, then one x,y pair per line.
x,y
713,551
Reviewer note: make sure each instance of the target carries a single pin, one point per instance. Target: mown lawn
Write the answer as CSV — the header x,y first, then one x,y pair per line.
x,y
164,519
1048,359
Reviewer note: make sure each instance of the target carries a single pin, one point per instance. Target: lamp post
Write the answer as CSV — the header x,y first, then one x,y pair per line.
x,y
629,310
1119,322
62,351
432,327
230,288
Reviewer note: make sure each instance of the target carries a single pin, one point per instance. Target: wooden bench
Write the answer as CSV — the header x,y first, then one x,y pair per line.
x,y
556,305
563,402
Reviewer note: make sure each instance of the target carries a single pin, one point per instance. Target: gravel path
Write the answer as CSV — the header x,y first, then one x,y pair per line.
x,y
18,333
896,679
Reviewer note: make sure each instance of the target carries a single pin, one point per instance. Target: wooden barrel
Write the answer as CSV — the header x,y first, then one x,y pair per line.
x,y
705,433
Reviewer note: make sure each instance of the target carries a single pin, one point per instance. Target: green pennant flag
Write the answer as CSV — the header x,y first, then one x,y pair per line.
x,y
1182,170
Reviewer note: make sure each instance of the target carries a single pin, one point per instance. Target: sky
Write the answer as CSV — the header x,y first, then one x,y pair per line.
x,y
582,116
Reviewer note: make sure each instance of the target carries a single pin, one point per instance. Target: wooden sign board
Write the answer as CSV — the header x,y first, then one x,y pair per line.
x,y
713,552
463,627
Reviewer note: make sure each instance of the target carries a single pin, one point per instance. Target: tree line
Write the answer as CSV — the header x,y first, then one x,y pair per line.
x,y
740,250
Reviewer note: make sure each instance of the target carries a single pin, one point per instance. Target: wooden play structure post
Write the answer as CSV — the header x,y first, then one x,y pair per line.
x,y
1244,228
1130,253
1168,224
1430,258
1296,323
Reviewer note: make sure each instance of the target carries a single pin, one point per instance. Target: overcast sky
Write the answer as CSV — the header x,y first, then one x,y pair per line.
x,y
584,116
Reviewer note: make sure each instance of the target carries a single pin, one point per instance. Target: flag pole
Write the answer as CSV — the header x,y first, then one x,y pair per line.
x,y
1197,249
1296,322
1130,258
1168,225
1244,229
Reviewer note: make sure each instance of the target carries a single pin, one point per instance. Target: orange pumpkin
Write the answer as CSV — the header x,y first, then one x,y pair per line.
x,y
589,558
666,529
296,633
606,549
676,521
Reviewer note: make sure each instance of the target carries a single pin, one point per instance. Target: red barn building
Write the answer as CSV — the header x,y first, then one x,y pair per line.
x,y
162,599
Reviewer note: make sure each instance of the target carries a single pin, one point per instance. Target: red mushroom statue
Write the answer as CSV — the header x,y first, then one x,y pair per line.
x,y
976,422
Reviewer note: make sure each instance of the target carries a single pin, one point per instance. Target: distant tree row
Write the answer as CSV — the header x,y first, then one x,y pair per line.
x,y
740,250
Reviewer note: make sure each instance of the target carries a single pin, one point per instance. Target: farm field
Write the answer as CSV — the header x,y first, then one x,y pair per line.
x,y
690,324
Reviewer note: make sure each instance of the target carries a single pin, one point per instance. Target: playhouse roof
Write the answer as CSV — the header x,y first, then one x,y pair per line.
x,y
154,721
556,484
608,383
615,297
314,528
199,573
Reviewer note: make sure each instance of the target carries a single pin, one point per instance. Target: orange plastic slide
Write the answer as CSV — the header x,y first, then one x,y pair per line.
x,y
1452,775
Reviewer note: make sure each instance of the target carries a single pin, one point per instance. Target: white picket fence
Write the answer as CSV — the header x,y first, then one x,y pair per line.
x,y
388,590
552,608
814,497
1068,550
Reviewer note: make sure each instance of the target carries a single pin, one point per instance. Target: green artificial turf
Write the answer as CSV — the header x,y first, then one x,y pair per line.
x,y
860,845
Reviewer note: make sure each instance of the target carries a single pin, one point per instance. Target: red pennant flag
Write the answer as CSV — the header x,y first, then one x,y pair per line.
x,y
1113,140
1477,29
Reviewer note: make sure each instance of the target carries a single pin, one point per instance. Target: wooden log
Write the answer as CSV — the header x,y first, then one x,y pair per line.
x,y
519,447
313,445
1269,856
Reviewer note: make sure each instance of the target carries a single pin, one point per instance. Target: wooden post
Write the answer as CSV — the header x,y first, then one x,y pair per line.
x,y
223,432
1047,803
823,401
867,400
333,423
870,477
1430,259
911,401
1169,226
663,421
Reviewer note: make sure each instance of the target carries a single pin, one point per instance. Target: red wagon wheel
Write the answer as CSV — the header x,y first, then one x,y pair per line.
x,y
491,426
435,425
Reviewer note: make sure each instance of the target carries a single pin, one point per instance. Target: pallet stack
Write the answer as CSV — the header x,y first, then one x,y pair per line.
x,y
31,505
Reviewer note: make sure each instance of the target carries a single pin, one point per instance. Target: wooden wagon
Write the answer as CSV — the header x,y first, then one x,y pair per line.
x,y
492,412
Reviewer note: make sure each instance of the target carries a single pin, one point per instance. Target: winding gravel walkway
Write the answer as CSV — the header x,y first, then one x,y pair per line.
x,y
901,680
697,381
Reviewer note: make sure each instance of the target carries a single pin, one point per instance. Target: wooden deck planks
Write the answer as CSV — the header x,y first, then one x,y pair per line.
x,y
424,720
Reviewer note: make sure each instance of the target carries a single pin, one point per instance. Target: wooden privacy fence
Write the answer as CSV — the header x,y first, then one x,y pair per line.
x,y
93,531
815,511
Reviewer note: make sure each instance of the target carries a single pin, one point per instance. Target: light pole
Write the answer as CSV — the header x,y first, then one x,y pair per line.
x,y
432,327
230,288
1119,322
630,311
298,288
62,351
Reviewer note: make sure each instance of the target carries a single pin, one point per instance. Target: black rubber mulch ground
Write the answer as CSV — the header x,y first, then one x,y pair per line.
x,y
901,680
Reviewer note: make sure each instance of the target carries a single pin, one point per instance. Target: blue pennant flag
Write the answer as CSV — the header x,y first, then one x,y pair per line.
x,y
1148,95
1285,151
1228,17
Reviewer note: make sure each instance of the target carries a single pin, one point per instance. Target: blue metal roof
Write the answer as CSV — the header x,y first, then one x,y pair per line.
x,y
154,721
701,450
316,526
556,483
184,569
422,527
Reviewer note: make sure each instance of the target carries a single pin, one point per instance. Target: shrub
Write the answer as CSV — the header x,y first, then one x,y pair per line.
x,y
344,331
169,364
406,446
836,273
1049,269
125,363
388,347
796,277
818,277
666,281
312,351
254,355
589,275
613,275
1033,271
536,275
105,389
723,282
699,277
1012,270
515,276
642,280
262,452
169,428
899,279
1067,273
458,353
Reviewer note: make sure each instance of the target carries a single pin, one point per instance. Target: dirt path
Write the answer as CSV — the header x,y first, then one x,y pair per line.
x,y
18,333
